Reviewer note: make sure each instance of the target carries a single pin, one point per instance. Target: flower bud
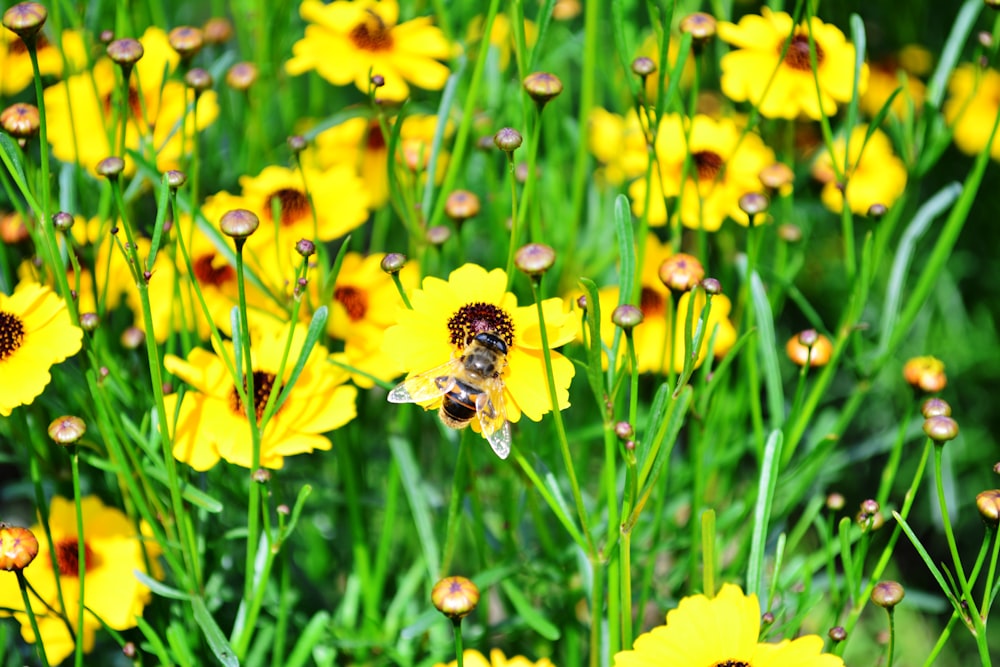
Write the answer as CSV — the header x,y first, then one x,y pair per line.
x,y
217,30
887,594
508,140
809,347
67,430
534,259
624,430
627,317
925,374
89,321
877,211
835,502
789,233
199,80
837,633
393,262
186,41
110,167
18,546
643,66
455,597
175,179
711,286
542,87
681,272
239,223
701,27
25,19
378,81
297,143
776,177
261,475
438,235
20,120
988,504
62,221
305,247
767,618
132,338
461,205
753,204
934,407
126,52
941,429
241,76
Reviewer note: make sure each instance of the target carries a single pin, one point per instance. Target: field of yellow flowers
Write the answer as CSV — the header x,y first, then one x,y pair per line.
x,y
556,333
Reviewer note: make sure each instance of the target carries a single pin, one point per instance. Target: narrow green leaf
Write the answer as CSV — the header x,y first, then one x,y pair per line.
x,y
156,645
159,588
419,506
12,158
529,613
317,327
926,557
543,20
952,51
626,248
312,634
764,320
162,199
213,635
762,509
180,645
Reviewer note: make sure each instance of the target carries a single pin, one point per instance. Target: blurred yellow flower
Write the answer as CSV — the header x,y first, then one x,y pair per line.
x,y
972,107
724,630
211,421
926,374
501,36
663,329
113,551
724,166
885,76
650,48
35,333
760,41
347,42
15,65
874,174
473,658
618,143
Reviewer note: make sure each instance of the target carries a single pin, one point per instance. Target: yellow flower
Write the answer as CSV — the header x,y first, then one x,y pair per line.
x,y
886,76
447,314
473,658
157,111
35,333
211,420
723,630
15,65
655,336
501,36
346,42
874,176
651,49
365,302
338,197
359,142
926,374
972,106
619,144
760,41
112,594
723,167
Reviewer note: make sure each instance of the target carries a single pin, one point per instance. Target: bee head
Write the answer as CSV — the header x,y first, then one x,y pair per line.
x,y
492,341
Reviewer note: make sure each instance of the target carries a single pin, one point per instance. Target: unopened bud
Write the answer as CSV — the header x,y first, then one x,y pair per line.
x,y
627,317
941,429
534,259
887,594
455,597
67,430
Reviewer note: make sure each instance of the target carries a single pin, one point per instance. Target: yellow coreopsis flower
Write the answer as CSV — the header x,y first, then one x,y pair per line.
x,y
619,143
874,174
112,594
972,106
660,338
448,314
760,42
158,110
15,64
724,630
35,333
723,166
473,658
338,197
211,420
347,42
900,71
502,36
359,142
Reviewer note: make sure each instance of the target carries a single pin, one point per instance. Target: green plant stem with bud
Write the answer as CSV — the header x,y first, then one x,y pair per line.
x,y
22,583
81,555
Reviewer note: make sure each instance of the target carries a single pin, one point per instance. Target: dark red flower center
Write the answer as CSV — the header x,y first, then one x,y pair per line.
x,y
68,557
206,273
797,56
17,45
476,318
354,300
732,663
293,203
707,164
650,302
109,105
375,139
372,34
263,385
11,334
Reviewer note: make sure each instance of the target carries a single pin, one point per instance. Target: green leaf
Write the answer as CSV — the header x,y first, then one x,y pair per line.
x,y
626,248
312,634
213,635
529,613
159,588
419,503
764,320
762,509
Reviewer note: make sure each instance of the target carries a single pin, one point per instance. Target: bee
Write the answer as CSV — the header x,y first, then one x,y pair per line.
x,y
470,386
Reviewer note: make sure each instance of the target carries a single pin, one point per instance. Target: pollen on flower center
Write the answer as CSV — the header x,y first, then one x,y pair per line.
x,y
372,34
797,56
355,301
293,203
206,274
707,163
263,384
650,302
11,334
732,663
68,557
476,318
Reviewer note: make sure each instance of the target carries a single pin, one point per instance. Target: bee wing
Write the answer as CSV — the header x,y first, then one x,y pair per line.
x,y
493,418
428,385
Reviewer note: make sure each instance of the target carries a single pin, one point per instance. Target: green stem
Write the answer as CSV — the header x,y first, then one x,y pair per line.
x,y
39,644
459,650
81,554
